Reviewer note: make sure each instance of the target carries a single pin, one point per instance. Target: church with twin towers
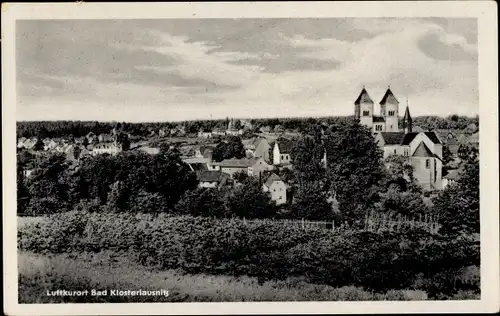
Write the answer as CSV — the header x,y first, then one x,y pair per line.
x,y
424,150
388,120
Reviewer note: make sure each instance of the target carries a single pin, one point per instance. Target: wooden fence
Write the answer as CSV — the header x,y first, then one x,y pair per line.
x,y
394,222
373,222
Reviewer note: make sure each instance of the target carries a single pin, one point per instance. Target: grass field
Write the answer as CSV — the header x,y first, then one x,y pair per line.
x,y
38,274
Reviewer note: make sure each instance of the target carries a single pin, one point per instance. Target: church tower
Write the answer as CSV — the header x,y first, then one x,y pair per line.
x,y
389,111
407,121
363,109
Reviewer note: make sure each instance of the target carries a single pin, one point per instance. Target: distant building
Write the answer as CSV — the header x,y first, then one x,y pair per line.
x,y
451,177
91,137
106,138
211,179
150,150
276,187
252,167
262,148
473,140
449,139
111,148
257,147
204,152
50,145
205,134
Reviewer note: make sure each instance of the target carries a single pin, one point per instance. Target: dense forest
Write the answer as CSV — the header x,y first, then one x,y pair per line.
x,y
53,129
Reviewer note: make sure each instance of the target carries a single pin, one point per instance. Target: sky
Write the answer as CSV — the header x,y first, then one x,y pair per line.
x,y
184,69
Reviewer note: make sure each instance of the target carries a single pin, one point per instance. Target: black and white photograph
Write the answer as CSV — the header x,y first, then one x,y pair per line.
x,y
218,158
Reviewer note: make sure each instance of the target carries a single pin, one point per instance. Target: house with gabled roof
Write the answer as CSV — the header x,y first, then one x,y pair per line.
x,y
282,153
258,147
276,187
211,179
251,166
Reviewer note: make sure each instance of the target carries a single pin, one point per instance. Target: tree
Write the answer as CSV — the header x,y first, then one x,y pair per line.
x,y
38,145
49,178
48,185
147,202
310,202
402,202
124,140
203,202
458,204
171,177
240,176
307,156
355,168
22,191
248,200
117,197
232,148
399,173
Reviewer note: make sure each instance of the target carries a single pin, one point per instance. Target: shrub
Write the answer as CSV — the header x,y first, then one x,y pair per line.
x,y
265,249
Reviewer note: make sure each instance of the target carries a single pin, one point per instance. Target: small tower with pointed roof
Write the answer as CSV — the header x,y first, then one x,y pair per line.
x,y
407,121
389,106
363,108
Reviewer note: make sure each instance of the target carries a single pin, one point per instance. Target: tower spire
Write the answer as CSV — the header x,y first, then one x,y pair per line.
x,y
407,121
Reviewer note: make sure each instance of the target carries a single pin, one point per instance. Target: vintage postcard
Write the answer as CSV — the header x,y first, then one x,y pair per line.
x,y
250,158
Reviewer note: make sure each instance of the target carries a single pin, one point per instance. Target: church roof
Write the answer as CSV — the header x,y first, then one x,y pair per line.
x,y
392,138
408,138
423,151
389,98
378,119
363,98
433,137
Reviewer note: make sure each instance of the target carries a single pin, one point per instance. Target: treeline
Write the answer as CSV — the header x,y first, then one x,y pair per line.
x,y
455,122
55,129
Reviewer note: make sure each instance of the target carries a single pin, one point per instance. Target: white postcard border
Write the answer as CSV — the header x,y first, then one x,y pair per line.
x,y
484,11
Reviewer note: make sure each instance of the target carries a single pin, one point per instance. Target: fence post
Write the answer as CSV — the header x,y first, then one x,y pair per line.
x,y
333,225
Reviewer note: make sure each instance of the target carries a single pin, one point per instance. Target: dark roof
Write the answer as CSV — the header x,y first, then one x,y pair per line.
x,y
408,138
378,119
433,137
423,151
407,115
209,176
198,166
236,163
285,146
392,138
363,98
389,98
272,178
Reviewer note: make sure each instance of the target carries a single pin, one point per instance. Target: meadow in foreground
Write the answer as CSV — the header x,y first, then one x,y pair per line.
x,y
38,273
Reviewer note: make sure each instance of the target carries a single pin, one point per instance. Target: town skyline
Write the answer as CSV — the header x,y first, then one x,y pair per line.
x,y
178,70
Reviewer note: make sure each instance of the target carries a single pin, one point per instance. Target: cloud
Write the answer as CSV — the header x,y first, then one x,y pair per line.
x,y
166,69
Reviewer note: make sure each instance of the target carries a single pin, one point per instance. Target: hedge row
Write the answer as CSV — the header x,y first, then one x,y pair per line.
x,y
410,259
